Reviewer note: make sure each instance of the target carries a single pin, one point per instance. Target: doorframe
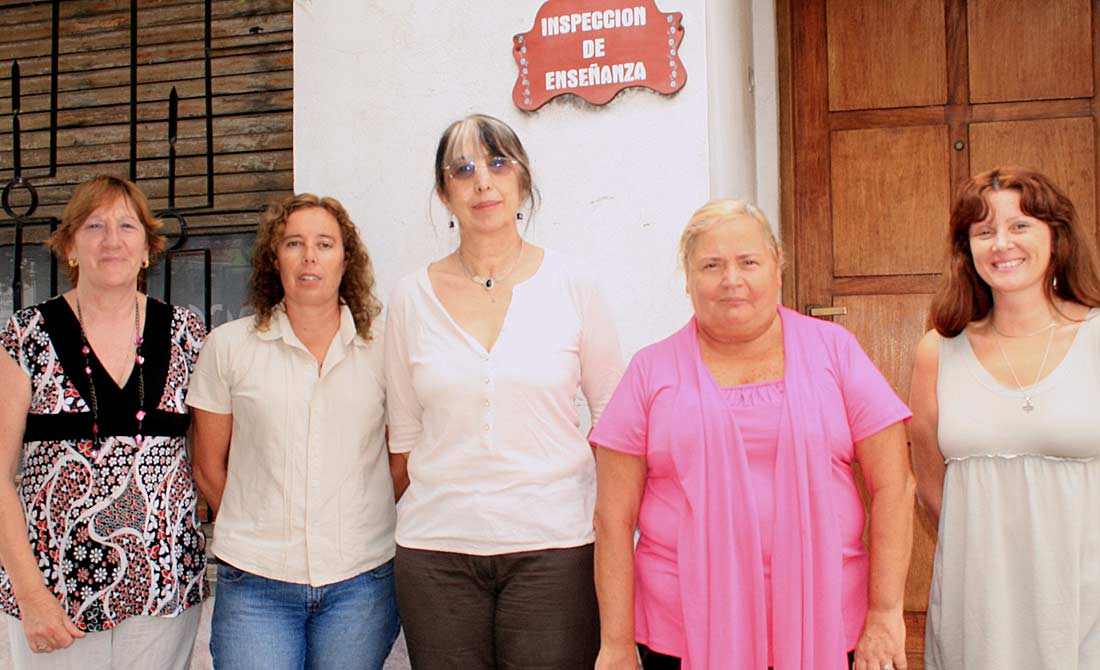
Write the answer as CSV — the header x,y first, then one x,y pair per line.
x,y
788,229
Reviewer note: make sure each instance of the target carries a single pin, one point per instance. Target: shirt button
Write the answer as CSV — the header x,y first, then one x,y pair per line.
x,y
487,403
486,380
485,428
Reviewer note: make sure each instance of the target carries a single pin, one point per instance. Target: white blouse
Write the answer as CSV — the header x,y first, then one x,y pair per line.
x,y
308,498
497,461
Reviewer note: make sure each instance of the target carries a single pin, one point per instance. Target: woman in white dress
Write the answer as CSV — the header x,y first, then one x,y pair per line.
x,y
1005,432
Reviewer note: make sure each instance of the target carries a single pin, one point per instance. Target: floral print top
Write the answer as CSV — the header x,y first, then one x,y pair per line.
x,y
113,524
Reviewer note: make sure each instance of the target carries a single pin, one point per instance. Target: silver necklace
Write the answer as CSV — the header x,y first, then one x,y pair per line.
x,y
1028,405
1042,330
489,283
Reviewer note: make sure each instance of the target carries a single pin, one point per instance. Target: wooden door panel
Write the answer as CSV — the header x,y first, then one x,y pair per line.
x,y
886,53
1029,50
1063,149
880,124
903,316
887,219
914,640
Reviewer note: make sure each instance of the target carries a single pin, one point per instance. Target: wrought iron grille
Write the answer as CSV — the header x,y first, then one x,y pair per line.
x,y
20,200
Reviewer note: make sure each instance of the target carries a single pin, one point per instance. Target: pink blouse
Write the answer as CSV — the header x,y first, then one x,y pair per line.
x,y
858,403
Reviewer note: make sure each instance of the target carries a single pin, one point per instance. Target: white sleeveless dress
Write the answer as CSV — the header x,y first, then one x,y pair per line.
x,y
1016,583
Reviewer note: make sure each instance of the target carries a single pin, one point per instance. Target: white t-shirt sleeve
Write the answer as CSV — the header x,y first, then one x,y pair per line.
x,y
403,409
601,357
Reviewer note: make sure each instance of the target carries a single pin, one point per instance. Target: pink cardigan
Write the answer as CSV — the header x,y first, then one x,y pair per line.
x,y
718,544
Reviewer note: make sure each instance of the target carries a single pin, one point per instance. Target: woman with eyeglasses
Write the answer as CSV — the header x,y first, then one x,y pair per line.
x,y
486,349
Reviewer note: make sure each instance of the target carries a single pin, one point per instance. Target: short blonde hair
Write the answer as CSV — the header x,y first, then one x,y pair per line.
x,y
720,211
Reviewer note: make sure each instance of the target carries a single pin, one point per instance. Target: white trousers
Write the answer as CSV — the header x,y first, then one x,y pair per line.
x,y
145,642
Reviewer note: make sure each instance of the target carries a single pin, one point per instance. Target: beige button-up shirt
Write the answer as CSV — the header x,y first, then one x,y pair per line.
x,y
308,498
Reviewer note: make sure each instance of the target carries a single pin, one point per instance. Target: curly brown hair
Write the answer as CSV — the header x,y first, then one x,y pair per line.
x,y
1073,273
89,196
265,288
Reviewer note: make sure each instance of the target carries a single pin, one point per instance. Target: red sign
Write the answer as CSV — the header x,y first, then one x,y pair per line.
x,y
596,48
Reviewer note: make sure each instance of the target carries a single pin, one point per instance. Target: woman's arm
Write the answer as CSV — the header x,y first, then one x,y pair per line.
x,y
45,623
399,471
212,433
620,481
884,459
923,429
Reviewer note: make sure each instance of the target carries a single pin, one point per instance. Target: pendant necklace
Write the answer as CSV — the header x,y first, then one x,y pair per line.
x,y
138,361
490,283
1028,405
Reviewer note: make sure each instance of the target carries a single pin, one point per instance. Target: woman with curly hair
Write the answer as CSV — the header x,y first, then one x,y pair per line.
x,y
290,453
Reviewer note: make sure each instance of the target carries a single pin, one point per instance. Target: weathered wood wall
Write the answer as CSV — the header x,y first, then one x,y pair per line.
x,y
252,94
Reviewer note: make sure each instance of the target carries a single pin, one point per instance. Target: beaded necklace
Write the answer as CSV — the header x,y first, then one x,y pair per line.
x,y
138,361
489,283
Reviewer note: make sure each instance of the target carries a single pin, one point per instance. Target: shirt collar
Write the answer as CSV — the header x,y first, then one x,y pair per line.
x,y
279,328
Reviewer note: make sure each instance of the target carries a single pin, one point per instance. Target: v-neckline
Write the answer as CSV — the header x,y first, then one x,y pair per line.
x,y
1044,381
99,370
475,343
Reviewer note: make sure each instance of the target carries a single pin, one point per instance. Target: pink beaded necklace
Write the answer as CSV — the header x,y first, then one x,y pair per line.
x,y
138,361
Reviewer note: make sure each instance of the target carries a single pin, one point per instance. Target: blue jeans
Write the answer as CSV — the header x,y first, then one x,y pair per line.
x,y
266,624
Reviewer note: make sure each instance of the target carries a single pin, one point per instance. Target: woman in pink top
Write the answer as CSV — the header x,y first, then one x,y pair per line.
x,y
729,447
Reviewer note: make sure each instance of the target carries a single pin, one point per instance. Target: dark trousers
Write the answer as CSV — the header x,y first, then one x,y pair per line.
x,y
531,610
651,660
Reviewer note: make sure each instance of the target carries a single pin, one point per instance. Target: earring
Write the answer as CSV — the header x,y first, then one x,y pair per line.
x,y
73,262
519,216
145,264
452,221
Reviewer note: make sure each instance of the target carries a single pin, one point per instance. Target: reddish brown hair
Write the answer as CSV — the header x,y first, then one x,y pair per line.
x,y
1073,273
265,289
90,196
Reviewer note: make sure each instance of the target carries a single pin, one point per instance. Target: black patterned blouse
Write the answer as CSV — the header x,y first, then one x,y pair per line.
x,y
115,530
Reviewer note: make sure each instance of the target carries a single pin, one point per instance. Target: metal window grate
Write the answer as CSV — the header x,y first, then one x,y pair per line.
x,y
196,253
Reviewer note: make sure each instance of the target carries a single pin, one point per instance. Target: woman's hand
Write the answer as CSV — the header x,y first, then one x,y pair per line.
x,y
891,486
617,657
881,645
46,625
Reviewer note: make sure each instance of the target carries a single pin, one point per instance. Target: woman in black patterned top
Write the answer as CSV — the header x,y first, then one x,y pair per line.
x,y
103,558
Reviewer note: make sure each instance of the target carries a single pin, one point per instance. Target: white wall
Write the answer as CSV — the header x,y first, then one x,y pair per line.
x,y
377,81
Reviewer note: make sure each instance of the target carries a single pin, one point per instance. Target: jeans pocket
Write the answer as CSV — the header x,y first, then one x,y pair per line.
x,y
228,574
384,571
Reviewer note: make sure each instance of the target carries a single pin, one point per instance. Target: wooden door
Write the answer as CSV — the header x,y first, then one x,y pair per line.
x,y
886,107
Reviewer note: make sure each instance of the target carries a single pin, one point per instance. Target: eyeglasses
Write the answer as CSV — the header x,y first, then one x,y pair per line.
x,y
465,170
